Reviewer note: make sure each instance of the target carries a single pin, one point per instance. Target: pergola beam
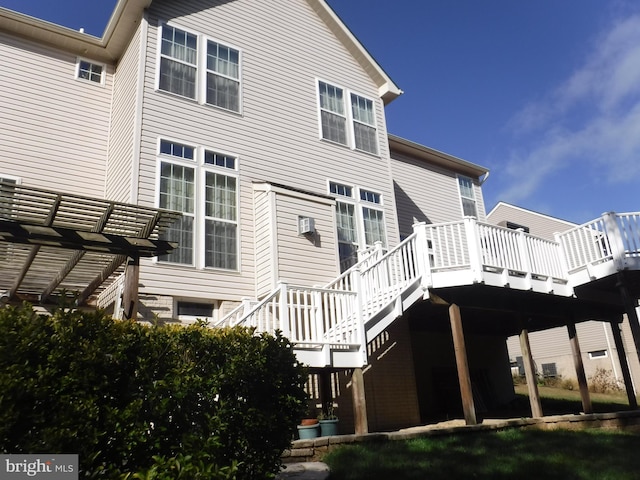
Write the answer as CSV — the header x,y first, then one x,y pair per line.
x,y
67,238
77,256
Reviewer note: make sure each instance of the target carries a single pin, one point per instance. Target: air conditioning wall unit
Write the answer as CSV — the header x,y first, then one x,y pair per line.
x,y
306,226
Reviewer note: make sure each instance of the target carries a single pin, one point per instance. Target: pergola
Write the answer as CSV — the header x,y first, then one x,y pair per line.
x,y
55,245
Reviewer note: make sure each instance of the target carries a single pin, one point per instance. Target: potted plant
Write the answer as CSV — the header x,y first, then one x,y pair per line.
x,y
308,428
328,421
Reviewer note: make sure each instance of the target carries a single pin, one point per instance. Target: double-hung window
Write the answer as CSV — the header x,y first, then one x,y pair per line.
x,y
347,118
332,113
223,76
178,62
467,197
365,136
202,185
359,221
196,67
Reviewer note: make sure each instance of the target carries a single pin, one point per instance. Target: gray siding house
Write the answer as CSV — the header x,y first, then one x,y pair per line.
x,y
251,136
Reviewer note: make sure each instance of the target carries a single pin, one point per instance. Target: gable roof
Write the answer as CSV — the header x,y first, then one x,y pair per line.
x,y
127,15
510,207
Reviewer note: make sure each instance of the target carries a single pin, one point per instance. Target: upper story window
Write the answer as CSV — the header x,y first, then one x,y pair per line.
x,y
332,113
178,62
211,77
359,221
90,71
364,124
467,197
201,184
354,126
223,76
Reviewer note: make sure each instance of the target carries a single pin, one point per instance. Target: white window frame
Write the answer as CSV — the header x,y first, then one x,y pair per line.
x,y
190,319
354,121
103,74
598,357
465,197
201,67
348,116
199,218
359,205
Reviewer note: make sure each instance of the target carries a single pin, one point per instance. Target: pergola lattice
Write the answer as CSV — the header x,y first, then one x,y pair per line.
x,y
52,242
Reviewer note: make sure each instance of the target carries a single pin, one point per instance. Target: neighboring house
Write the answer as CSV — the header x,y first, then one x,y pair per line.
x,y
551,349
262,124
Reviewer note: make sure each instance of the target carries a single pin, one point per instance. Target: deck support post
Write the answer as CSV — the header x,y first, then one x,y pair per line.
x,y
464,378
530,373
130,291
630,309
324,385
624,365
579,365
359,402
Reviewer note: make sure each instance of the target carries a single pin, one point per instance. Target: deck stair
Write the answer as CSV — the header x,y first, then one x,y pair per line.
x,y
331,325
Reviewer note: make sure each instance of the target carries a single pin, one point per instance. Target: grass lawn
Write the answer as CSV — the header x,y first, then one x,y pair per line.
x,y
509,454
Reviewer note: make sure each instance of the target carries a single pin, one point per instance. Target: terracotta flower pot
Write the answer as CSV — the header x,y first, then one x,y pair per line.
x,y
309,421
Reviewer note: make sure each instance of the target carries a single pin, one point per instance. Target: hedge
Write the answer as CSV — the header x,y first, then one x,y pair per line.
x,y
137,401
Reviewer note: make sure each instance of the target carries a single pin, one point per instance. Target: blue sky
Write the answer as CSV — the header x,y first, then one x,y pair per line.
x,y
546,94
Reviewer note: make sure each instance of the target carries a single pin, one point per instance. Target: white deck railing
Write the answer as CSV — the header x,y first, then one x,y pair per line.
x,y
462,253
612,237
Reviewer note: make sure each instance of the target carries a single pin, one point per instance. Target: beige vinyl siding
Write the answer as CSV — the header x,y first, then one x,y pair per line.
x,y
552,346
305,260
427,193
123,120
266,273
285,48
53,125
539,225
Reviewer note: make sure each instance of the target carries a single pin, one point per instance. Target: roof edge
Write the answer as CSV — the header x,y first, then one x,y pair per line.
x,y
403,145
387,88
516,207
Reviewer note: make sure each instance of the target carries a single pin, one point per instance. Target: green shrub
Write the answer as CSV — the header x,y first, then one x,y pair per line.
x,y
130,399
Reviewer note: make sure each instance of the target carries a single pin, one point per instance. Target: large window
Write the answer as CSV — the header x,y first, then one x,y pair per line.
x,y
467,197
202,184
359,221
212,77
354,126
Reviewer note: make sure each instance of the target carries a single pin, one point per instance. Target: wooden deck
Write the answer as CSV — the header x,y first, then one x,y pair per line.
x,y
330,326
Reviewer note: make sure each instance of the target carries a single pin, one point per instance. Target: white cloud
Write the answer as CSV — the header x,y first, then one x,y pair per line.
x,y
591,120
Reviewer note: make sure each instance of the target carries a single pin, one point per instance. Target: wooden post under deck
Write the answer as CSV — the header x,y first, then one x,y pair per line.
x,y
464,378
359,402
324,385
577,361
630,308
530,374
130,291
624,365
